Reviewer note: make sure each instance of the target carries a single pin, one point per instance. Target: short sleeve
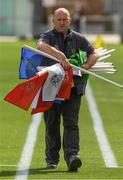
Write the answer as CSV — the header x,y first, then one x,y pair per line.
x,y
84,44
45,38
87,46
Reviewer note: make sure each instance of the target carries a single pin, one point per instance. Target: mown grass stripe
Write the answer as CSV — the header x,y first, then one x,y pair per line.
x,y
107,153
26,157
8,165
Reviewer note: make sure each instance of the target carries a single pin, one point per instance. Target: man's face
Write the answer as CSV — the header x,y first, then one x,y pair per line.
x,y
61,21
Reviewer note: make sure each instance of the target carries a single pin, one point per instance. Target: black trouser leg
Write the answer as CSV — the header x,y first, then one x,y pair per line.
x,y
70,112
52,137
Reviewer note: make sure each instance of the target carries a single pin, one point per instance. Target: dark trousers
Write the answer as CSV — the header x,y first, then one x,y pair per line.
x,y
69,109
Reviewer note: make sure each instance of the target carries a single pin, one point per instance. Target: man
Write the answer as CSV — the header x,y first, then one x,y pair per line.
x,y
61,42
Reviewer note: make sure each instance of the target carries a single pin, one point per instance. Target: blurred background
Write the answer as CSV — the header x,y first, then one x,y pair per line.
x,y
29,18
21,22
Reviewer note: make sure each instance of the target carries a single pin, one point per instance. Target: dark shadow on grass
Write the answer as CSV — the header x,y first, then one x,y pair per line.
x,y
32,171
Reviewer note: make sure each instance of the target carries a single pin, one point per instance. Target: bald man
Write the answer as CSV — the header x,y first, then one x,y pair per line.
x,y
61,42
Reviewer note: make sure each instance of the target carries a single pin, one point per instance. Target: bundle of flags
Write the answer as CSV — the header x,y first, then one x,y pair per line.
x,y
44,85
101,66
80,57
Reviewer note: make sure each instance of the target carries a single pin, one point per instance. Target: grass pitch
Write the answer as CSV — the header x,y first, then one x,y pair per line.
x,y
14,124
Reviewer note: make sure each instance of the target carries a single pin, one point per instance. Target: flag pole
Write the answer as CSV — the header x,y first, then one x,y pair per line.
x,y
83,70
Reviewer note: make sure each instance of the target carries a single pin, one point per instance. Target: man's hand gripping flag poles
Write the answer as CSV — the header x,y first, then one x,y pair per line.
x,y
98,67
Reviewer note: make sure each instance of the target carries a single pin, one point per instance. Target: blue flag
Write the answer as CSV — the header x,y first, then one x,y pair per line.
x,y
30,60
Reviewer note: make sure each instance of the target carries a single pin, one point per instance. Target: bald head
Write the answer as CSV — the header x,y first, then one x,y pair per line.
x,y
62,11
61,20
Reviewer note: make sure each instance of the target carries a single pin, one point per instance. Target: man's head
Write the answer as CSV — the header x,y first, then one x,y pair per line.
x,y
61,20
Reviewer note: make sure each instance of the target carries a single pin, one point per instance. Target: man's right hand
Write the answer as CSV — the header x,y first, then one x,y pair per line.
x,y
63,60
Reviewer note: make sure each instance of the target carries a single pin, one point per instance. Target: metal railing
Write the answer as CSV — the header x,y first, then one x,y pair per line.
x,y
100,24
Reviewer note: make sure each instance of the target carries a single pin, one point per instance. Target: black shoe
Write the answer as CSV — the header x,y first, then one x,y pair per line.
x,y
51,166
74,163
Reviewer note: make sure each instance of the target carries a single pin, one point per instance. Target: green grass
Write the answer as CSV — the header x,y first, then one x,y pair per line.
x,y
14,124
110,103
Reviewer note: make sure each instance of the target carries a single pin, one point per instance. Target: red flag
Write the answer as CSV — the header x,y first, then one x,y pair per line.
x,y
42,106
65,89
23,94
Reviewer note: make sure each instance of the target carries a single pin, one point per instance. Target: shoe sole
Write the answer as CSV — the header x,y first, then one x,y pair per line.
x,y
75,164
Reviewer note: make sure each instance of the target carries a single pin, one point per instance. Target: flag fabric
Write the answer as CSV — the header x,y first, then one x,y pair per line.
x,y
63,93
29,63
50,89
65,89
78,59
23,94
56,75
42,106
29,93
44,85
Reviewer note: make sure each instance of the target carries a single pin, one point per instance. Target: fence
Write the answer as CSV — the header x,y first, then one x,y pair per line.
x,y
100,24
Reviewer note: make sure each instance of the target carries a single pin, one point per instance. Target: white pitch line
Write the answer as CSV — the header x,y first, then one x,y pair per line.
x,y
107,153
26,157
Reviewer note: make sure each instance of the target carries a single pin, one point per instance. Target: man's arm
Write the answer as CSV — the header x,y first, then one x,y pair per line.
x,y
92,59
54,52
